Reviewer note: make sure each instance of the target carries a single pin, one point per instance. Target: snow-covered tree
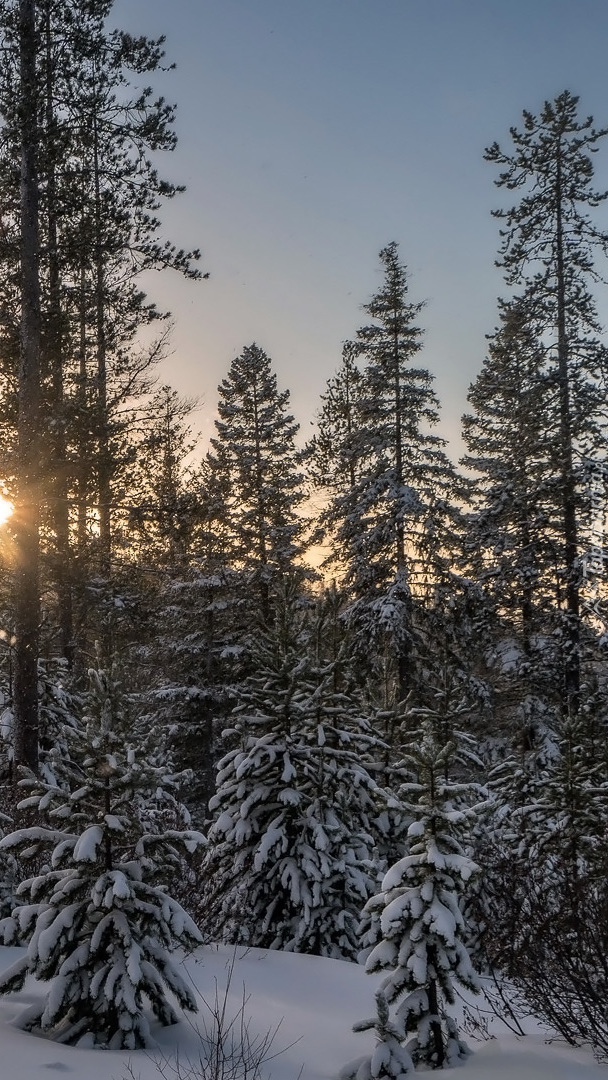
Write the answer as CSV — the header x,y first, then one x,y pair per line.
x,y
511,535
9,872
99,917
334,447
197,650
513,528
417,931
161,494
291,844
92,130
406,476
389,1060
255,462
246,534
388,476
334,454
549,246
555,806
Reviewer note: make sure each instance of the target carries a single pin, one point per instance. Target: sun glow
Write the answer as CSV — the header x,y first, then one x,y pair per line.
x,y
6,509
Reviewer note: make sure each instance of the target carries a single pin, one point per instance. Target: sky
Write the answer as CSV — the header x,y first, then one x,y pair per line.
x,y
314,132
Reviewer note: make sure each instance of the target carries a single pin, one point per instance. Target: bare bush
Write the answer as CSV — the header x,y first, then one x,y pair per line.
x,y
549,936
229,1047
501,1001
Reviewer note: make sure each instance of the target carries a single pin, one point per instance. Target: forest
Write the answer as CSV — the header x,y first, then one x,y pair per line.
x,y
344,696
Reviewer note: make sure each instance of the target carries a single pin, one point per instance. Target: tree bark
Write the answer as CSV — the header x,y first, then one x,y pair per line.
x,y
404,651
54,361
27,540
571,691
264,585
103,451
436,1033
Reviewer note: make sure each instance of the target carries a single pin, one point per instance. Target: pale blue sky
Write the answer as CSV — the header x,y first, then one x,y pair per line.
x,y
313,132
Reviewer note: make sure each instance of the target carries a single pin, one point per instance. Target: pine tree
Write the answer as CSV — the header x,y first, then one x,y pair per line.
x,y
417,929
98,193
100,919
9,873
124,192
292,839
390,480
514,527
549,241
200,651
255,462
558,821
390,1060
335,448
162,495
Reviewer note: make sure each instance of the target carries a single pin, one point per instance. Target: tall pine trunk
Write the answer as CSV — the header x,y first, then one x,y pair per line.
x,y
27,502
103,449
83,440
404,654
571,690
264,586
55,361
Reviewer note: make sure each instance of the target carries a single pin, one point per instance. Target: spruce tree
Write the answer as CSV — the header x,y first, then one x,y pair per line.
x,y
193,658
549,242
511,443
555,807
335,449
162,494
100,918
292,840
417,930
389,1060
98,193
255,462
389,478
123,191
514,527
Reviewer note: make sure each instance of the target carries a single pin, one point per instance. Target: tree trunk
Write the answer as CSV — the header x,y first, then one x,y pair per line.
x,y
264,584
103,449
54,359
27,540
571,691
436,1033
404,649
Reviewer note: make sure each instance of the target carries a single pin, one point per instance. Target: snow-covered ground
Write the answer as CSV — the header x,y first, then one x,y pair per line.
x,y
316,1002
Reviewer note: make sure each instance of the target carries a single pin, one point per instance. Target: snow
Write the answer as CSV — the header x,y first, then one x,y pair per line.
x,y
316,1000
85,849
